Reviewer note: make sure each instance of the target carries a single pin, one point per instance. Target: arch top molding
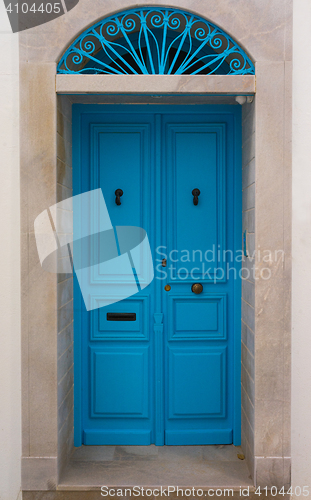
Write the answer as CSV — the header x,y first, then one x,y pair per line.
x,y
155,41
260,27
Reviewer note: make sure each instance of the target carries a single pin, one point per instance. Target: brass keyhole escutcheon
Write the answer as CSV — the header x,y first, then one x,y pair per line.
x,y
197,288
167,288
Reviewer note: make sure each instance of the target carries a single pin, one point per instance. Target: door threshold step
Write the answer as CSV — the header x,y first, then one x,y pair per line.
x,y
91,467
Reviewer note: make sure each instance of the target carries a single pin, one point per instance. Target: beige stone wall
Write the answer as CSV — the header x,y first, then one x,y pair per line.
x,y
64,292
248,283
266,303
273,296
39,288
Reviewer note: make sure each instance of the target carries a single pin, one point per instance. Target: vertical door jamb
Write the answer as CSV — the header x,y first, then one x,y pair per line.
x,y
237,191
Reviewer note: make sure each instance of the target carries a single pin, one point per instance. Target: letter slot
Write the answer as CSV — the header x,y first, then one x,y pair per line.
x,y
121,316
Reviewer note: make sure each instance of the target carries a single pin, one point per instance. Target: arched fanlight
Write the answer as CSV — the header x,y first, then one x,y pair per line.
x,y
155,40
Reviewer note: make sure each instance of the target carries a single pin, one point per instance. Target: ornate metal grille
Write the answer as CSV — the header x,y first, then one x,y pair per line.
x,y
155,40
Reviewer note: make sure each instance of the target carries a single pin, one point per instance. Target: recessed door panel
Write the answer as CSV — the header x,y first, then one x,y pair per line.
x,y
119,382
121,161
196,228
197,382
127,319
194,318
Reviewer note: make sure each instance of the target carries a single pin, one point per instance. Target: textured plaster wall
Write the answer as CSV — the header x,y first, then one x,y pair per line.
x,y
264,28
10,351
273,295
301,338
248,284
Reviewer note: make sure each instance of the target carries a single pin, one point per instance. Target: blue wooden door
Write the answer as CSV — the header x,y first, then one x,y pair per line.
x,y
162,366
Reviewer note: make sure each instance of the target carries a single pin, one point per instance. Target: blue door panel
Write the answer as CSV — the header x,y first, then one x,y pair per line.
x,y
123,163
197,384
199,329
119,382
169,373
195,318
197,437
103,328
116,437
195,166
195,158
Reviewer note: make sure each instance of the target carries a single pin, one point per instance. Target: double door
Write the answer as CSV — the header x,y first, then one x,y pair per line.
x,y
163,365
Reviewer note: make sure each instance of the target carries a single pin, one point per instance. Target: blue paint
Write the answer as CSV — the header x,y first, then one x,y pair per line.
x,y
155,40
173,375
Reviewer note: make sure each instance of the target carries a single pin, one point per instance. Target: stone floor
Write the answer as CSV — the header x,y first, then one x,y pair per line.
x,y
185,466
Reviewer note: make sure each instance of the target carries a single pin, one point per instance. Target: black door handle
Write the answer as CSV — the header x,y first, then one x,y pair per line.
x,y
118,193
196,193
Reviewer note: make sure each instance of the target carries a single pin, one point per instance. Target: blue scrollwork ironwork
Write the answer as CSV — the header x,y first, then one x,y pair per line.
x,y
155,40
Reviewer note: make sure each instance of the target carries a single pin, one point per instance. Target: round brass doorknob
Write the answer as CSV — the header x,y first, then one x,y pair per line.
x,y
197,288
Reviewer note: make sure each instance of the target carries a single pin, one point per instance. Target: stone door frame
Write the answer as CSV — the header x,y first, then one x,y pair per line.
x,y
45,111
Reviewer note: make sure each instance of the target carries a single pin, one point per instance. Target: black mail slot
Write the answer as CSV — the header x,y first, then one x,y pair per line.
x,y
121,316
